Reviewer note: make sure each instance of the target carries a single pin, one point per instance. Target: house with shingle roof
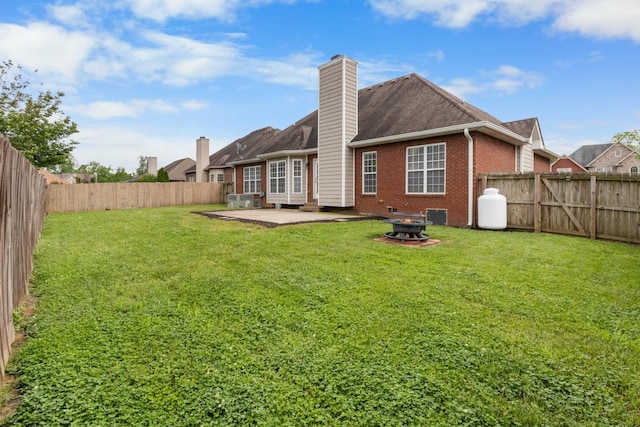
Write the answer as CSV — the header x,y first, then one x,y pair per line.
x,y
405,145
177,169
614,157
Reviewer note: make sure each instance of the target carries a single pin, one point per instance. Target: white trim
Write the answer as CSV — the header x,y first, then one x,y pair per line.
x,y
484,127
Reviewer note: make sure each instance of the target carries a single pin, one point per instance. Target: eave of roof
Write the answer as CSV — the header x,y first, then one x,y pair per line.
x,y
488,128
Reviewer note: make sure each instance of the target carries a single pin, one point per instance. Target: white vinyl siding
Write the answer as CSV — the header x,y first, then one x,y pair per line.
x,y
369,172
426,168
278,177
252,179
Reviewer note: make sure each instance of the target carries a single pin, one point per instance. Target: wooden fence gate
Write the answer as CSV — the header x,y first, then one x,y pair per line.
x,y
596,206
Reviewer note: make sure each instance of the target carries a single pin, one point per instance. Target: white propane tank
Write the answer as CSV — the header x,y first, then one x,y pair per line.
x,y
492,210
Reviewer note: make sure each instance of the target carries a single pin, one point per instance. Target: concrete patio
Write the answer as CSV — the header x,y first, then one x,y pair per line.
x,y
278,217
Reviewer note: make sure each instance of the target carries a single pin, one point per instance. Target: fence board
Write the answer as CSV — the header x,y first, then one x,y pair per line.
x,y
597,206
113,196
22,205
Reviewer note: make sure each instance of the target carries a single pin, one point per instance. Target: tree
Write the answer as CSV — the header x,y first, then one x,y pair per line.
x,y
104,173
163,175
35,126
630,138
142,165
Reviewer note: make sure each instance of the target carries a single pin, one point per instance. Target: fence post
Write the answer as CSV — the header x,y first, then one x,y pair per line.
x,y
594,208
537,204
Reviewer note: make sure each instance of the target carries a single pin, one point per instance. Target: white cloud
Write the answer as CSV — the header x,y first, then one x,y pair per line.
x,y
120,147
104,110
601,18
509,79
161,10
505,80
461,87
595,18
46,47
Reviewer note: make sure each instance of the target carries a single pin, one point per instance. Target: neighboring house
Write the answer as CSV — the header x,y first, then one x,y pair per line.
x,y
52,178
176,169
404,144
79,178
610,158
566,164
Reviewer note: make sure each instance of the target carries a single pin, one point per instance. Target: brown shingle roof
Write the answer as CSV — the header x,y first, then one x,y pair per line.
x,y
521,127
398,106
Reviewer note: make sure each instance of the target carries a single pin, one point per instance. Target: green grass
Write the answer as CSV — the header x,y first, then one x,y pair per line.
x,y
161,317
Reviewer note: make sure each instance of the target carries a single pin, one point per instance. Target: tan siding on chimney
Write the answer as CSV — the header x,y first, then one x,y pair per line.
x,y
337,125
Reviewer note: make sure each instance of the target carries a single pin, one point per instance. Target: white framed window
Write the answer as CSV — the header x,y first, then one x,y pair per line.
x,y
252,179
564,170
634,169
370,172
278,177
297,176
604,169
618,152
426,167
220,177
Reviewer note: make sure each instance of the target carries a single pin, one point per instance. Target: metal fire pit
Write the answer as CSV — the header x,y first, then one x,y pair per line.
x,y
408,228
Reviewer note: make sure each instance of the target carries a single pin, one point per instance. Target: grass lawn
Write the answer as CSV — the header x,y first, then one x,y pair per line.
x,y
161,317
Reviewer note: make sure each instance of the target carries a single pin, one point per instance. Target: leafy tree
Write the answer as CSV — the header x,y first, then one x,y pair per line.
x,y
104,173
142,165
630,138
35,126
163,175
147,178
68,166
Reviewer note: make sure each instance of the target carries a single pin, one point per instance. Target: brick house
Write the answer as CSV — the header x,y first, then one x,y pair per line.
x,y
404,144
566,164
602,158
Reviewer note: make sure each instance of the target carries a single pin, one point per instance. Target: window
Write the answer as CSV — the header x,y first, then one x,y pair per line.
x,y
634,169
426,169
564,170
369,172
212,177
297,176
618,152
252,179
605,169
220,177
277,177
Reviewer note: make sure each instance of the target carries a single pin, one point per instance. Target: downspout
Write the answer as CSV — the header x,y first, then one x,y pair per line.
x,y
469,177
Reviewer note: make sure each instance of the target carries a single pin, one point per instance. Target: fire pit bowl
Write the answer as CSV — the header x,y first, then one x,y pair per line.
x,y
408,229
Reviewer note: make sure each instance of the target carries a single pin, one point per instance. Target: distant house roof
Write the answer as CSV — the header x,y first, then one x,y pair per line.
x,y
177,168
567,162
587,153
399,106
51,178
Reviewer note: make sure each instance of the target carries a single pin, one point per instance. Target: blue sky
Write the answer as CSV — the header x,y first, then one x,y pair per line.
x,y
148,77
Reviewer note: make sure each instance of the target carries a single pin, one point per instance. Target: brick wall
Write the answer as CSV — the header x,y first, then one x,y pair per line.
x,y
491,155
540,164
391,185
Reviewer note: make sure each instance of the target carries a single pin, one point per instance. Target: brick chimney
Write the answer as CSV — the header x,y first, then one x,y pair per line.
x,y
152,165
337,126
202,158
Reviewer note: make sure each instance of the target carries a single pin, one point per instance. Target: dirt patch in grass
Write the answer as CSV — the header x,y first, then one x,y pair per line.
x,y
408,243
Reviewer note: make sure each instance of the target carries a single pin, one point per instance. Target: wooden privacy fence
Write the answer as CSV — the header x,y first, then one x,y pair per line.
x,y
22,207
597,206
112,196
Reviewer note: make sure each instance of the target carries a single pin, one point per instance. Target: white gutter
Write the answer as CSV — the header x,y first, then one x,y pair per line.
x,y
484,127
469,177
